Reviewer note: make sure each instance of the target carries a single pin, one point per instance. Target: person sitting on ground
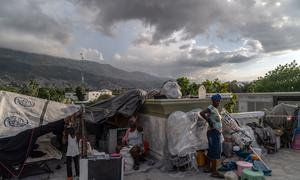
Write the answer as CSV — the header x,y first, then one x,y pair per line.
x,y
134,139
72,153
214,135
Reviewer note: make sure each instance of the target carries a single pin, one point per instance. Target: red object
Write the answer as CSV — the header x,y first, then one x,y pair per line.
x,y
146,147
115,155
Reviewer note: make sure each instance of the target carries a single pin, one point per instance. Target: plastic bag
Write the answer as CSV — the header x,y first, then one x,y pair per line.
x,y
171,90
185,134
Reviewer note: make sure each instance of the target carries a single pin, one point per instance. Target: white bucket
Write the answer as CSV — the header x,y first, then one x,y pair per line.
x,y
128,160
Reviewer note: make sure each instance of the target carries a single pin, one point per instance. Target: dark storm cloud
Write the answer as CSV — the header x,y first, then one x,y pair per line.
x,y
252,19
25,20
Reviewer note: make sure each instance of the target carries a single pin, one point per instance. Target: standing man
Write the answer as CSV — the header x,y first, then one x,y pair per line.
x,y
214,135
72,153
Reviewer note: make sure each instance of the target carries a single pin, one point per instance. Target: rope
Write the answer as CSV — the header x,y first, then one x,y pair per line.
x,y
27,152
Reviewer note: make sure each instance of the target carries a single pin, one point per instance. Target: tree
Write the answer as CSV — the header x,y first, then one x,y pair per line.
x,y
184,83
30,89
44,93
215,86
282,78
193,89
80,93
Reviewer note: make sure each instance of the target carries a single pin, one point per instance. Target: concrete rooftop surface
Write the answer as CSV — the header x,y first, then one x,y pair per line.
x,y
285,164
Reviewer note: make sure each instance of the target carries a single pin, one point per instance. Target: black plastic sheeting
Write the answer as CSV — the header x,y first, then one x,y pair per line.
x,y
13,150
125,105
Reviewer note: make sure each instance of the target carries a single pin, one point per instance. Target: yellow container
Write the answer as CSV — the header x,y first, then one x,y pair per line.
x,y
201,158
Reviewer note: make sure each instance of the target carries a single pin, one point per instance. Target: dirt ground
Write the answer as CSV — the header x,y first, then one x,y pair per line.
x,y
285,165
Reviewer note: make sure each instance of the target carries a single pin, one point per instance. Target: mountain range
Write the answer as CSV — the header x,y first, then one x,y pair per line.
x,y
18,67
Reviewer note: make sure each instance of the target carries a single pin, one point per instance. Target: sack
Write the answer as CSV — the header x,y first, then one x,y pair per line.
x,y
185,134
171,90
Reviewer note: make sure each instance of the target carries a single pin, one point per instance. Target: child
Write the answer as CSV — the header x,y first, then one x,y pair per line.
x,y
72,153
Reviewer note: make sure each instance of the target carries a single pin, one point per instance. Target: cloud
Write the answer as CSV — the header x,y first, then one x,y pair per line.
x,y
194,61
92,54
212,56
251,19
24,26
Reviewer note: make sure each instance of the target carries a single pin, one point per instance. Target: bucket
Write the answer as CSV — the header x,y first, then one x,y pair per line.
x,y
200,158
230,176
242,165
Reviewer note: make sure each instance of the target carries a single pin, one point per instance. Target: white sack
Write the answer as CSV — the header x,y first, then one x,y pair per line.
x,y
171,90
185,135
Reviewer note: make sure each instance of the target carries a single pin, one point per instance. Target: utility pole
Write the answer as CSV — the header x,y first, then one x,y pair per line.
x,y
81,70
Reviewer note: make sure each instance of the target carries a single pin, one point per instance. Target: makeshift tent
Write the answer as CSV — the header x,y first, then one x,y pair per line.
x,y
22,120
125,105
283,117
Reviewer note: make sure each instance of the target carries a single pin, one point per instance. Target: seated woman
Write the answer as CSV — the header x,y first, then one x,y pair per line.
x,y
134,139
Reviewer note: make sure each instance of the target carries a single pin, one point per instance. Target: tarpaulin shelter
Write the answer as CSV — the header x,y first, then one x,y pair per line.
x,y
125,105
22,120
283,117
112,113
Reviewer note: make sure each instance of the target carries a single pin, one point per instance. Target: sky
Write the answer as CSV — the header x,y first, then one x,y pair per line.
x,y
200,39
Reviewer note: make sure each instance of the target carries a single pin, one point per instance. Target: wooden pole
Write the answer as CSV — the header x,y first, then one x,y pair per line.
x,y
258,157
83,133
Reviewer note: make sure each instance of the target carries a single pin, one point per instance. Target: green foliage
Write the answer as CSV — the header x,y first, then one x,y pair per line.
x,y
80,93
230,107
10,88
216,86
30,89
184,84
193,89
44,93
282,78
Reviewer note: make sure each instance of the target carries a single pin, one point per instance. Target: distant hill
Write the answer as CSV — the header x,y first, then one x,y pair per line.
x,y
18,66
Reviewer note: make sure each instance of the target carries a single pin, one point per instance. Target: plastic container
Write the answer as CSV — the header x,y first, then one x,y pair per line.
x,y
230,176
242,165
200,158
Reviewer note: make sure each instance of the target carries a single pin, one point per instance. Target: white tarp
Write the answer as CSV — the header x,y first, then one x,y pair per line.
x,y
185,134
19,112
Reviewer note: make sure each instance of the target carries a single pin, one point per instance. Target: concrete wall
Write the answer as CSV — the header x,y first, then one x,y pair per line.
x,y
154,130
259,101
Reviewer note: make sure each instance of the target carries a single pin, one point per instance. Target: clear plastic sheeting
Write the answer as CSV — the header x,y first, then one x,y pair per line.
x,y
171,90
239,135
185,134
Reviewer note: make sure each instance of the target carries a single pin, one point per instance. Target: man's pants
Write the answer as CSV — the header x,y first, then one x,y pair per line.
x,y
69,165
135,152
